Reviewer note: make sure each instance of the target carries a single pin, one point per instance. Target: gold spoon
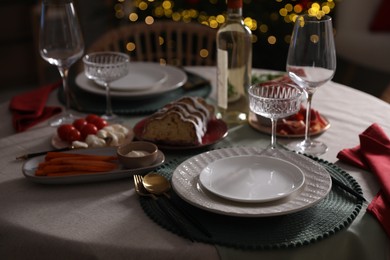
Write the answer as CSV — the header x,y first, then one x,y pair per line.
x,y
156,184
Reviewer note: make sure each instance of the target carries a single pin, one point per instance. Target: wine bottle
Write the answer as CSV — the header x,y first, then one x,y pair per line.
x,y
234,65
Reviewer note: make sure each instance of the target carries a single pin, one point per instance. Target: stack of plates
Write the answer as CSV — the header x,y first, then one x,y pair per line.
x,y
145,79
244,182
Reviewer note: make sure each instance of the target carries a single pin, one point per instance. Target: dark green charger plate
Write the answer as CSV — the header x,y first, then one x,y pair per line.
x,y
93,103
333,213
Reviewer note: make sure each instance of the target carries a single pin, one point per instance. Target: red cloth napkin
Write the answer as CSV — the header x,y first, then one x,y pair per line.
x,y
28,109
373,154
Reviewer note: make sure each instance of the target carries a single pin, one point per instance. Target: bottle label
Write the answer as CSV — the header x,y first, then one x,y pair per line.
x,y
222,78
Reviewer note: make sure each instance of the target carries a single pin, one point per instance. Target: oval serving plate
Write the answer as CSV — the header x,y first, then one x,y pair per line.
x,y
252,178
30,166
216,130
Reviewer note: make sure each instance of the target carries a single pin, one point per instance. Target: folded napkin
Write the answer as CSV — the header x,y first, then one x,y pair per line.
x,y
28,109
373,154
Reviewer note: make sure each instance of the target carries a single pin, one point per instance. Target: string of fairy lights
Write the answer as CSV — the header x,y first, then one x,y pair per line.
x,y
288,10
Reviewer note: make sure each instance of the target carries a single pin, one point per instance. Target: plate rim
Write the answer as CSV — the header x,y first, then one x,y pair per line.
x,y
298,173
101,176
171,83
138,127
212,203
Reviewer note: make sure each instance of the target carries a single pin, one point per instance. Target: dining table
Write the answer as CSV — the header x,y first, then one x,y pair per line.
x,y
108,220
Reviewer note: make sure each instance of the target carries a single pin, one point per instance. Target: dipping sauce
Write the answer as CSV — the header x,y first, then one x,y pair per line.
x,y
136,153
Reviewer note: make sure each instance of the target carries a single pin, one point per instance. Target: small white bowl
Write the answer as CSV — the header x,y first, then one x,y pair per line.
x,y
137,154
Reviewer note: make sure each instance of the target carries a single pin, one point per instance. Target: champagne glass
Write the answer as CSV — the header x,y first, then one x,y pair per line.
x,y
61,44
311,62
103,68
274,101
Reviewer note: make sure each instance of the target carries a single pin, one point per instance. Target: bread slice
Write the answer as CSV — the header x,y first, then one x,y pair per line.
x,y
181,122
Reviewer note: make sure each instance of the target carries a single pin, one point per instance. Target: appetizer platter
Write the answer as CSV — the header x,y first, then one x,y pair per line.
x,y
91,131
292,126
81,166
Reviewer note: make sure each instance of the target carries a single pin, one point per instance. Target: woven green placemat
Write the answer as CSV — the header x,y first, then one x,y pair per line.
x,y
332,214
94,103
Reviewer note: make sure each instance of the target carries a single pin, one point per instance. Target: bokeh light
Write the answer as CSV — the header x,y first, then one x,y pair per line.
x,y
271,26
285,10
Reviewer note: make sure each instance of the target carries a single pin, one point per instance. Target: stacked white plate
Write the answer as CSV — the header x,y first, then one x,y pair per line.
x,y
145,79
247,182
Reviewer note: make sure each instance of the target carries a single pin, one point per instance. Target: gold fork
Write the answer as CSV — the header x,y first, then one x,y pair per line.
x,y
140,189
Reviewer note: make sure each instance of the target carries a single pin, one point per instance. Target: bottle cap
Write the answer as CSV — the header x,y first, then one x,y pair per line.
x,y
234,4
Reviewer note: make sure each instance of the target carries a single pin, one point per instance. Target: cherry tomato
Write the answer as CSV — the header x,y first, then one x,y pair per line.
x,y
99,123
68,133
79,123
88,129
74,135
91,117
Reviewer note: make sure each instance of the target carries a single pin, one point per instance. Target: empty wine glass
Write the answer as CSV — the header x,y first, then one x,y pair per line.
x,y
103,68
274,101
61,44
311,62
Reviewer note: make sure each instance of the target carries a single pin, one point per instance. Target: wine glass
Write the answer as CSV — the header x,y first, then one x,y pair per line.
x,y
311,62
274,101
103,68
61,43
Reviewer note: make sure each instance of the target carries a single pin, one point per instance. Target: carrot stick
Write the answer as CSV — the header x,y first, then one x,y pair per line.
x,y
72,160
51,155
73,164
64,167
39,172
68,173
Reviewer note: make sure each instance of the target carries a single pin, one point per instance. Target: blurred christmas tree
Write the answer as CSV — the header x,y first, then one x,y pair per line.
x,y
269,20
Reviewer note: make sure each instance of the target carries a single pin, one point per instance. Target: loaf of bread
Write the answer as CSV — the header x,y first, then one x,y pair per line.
x,y
182,122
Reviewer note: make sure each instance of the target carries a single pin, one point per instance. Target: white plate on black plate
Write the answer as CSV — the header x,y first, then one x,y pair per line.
x,y
186,183
30,166
141,77
174,79
252,178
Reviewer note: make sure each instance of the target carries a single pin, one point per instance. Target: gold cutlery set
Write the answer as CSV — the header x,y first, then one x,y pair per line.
x,y
153,185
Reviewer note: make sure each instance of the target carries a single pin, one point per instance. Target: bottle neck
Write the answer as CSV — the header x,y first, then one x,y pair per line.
x,y
234,9
234,12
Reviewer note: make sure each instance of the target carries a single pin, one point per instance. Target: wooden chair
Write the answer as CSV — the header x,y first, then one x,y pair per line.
x,y
166,42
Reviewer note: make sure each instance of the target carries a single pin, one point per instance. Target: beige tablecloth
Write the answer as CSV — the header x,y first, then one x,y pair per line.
x,y
105,220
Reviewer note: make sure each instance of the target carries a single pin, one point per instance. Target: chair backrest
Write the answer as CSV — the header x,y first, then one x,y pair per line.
x,y
169,42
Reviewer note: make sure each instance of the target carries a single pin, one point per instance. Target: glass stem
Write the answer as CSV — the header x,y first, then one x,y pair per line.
x,y
308,116
64,75
273,135
108,100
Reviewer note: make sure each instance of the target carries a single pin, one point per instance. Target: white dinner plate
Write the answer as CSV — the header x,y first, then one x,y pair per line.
x,y
186,183
140,77
175,78
30,166
251,178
